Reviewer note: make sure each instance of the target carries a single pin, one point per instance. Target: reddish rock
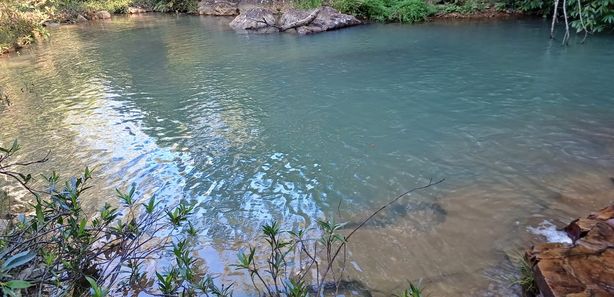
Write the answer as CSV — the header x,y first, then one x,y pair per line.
x,y
604,214
579,228
584,268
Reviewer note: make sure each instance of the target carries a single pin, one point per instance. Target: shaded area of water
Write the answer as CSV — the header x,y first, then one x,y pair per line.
x,y
251,128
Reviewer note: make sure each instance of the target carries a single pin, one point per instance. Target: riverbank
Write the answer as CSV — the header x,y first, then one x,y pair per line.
x,y
22,23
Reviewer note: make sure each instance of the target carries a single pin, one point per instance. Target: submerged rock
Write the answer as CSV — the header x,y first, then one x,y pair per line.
x,y
583,268
263,20
421,216
258,20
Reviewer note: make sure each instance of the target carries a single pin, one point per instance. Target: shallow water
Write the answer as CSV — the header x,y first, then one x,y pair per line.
x,y
254,127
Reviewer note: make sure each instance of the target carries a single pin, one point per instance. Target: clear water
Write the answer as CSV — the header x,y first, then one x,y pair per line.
x,y
254,127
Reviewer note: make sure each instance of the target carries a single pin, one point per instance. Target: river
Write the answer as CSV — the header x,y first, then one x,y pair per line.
x,y
250,128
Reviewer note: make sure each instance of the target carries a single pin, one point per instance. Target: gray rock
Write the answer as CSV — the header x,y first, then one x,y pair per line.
x,y
327,19
81,19
263,20
102,15
218,7
257,20
136,10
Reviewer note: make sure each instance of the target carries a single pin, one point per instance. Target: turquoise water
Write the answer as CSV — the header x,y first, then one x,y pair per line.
x,y
254,127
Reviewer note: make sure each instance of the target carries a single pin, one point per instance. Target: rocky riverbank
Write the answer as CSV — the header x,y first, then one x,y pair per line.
x,y
583,268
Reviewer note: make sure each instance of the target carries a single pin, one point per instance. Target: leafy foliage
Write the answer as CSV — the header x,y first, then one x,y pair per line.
x,y
375,10
308,4
410,11
590,15
21,22
175,5
597,15
61,250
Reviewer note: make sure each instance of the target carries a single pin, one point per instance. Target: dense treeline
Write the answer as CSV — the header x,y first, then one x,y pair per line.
x,y
22,21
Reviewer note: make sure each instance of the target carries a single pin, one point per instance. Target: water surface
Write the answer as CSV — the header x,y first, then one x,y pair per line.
x,y
254,127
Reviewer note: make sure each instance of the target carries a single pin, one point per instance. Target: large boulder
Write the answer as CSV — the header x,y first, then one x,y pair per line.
x,y
218,7
257,20
327,19
263,20
584,268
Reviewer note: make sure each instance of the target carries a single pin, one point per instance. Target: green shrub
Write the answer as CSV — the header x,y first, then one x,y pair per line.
x,y
189,6
61,250
112,6
464,7
307,4
404,11
597,15
20,23
375,10
410,11
525,279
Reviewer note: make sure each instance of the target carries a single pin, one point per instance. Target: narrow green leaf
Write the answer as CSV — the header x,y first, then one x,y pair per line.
x,y
18,284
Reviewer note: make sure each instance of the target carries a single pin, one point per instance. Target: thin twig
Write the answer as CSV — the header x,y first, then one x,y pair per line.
x,y
347,238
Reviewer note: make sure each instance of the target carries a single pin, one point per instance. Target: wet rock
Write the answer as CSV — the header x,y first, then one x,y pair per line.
x,y
327,19
136,10
218,7
257,20
579,228
584,268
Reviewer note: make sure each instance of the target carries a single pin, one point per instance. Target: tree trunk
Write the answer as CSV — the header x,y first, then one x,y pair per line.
x,y
554,14
312,16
